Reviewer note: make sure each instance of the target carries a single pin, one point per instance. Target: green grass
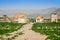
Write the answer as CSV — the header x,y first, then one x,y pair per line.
x,y
9,27
52,30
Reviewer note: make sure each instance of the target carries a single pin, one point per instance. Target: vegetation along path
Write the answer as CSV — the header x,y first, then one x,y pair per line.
x,y
30,34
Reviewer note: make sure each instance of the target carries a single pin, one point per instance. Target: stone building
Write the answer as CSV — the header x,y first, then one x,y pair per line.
x,y
40,19
20,18
5,18
53,17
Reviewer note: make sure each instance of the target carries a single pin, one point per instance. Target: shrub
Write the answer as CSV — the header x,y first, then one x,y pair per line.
x,y
9,27
48,29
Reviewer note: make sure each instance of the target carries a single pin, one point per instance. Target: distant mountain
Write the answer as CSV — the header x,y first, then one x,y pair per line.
x,y
58,12
45,12
32,13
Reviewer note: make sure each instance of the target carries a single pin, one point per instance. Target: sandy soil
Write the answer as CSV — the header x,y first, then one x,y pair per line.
x,y
30,34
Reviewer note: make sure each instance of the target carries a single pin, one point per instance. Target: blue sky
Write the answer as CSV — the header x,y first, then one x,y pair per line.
x,y
29,4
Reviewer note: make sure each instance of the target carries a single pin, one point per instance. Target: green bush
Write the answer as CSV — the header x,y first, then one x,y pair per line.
x,y
50,29
9,27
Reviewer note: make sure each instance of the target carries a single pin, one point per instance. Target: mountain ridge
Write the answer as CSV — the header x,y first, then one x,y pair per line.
x,y
32,13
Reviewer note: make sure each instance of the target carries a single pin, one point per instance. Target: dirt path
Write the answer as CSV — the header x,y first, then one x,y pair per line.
x,y
29,34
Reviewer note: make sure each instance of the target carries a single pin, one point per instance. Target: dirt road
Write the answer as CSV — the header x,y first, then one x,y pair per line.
x,y
30,34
